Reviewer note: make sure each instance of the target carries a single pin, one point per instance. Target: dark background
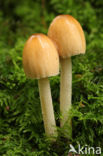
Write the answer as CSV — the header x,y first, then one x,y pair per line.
x,y
21,125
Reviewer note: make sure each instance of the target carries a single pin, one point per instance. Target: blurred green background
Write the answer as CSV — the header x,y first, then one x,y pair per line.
x,y
21,124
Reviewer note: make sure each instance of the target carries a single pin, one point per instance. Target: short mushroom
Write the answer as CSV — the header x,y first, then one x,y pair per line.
x,y
40,61
68,36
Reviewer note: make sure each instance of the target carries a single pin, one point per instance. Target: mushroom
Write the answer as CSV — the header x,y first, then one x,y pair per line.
x,y
40,61
68,36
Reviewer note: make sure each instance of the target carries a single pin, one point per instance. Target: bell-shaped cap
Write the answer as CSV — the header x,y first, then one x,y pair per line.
x,y
67,34
40,57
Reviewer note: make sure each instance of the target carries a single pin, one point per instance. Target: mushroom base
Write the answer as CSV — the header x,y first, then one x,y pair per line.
x,y
65,90
47,107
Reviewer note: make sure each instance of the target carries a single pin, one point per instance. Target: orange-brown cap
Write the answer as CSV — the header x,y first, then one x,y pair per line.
x,y
67,34
40,57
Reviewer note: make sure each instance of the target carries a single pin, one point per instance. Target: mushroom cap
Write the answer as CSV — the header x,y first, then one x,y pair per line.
x,y
68,36
40,57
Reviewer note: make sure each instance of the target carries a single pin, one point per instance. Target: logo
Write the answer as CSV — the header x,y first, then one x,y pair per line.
x,y
85,150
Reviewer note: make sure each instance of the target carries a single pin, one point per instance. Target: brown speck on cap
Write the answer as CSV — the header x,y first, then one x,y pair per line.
x,y
40,57
67,34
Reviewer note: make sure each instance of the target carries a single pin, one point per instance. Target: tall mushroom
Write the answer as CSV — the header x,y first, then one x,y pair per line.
x,y
40,61
68,36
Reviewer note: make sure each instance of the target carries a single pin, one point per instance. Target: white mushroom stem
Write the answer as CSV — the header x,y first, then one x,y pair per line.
x,y
65,89
47,107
